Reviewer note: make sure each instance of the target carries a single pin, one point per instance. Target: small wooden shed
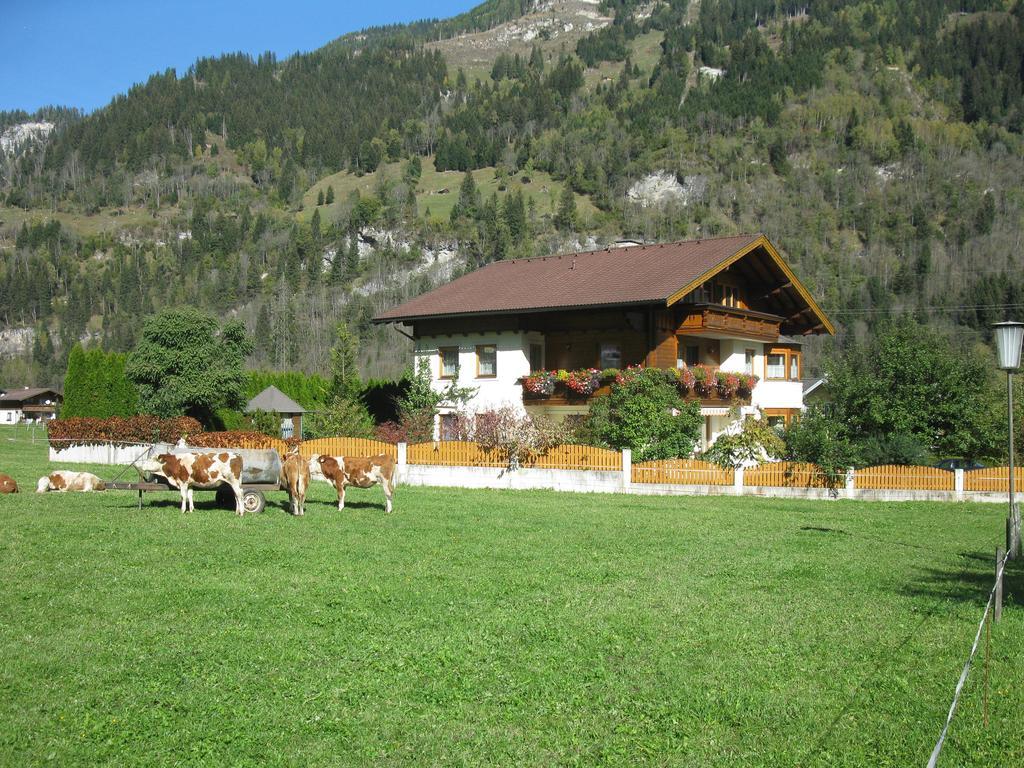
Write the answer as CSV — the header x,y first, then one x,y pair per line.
x,y
273,400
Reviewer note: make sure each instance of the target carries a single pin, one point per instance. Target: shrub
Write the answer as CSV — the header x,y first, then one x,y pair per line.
x,y
753,442
117,429
517,438
646,414
817,438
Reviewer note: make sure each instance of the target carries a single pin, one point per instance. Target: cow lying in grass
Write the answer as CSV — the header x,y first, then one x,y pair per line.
x,y
205,471
295,480
343,471
64,480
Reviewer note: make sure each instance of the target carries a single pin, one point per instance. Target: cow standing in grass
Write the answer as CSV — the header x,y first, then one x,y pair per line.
x,y
295,480
343,471
205,471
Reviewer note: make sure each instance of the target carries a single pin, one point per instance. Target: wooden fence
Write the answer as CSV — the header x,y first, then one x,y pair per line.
x,y
899,478
458,453
786,474
993,479
347,446
682,471
453,453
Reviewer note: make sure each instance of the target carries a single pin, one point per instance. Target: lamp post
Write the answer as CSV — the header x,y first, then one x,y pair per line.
x,y
1009,336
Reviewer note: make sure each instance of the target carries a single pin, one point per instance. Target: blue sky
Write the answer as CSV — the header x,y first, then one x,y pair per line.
x,y
81,53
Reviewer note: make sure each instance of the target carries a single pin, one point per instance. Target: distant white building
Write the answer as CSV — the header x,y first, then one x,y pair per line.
x,y
29,404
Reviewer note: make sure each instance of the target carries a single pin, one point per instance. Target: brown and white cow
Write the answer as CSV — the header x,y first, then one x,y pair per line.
x,y
7,484
203,470
295,480
343,471
64,480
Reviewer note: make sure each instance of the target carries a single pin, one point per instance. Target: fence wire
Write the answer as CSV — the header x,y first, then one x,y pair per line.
x,y
967,666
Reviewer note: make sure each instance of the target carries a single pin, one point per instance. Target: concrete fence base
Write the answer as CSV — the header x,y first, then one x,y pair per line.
x,y
106,453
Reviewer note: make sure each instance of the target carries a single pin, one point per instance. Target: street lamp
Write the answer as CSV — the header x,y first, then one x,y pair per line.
x,y
1009,336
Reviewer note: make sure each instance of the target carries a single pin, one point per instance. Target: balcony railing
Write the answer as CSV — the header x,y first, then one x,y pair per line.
x,y
733,322
710,385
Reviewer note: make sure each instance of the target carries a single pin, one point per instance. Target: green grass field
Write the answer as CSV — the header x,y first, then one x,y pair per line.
x,y
496,628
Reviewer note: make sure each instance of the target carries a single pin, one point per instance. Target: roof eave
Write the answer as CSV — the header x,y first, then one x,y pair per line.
x,y
520,311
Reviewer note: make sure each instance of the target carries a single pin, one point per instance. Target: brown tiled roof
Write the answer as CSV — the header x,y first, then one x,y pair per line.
x,y
25,393
634,275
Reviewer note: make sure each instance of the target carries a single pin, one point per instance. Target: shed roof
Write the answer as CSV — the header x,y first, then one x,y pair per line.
x,y
645,274
273,400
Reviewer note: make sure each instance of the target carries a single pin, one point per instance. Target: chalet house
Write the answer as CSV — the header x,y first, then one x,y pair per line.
x,y
728,304
29,404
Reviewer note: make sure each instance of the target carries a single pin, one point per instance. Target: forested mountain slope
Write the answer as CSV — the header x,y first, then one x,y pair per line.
x,y
878,144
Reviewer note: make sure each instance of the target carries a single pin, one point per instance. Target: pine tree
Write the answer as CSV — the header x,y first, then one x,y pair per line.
x,y
314,226
565,217
469,199
353,256
320,198
330,195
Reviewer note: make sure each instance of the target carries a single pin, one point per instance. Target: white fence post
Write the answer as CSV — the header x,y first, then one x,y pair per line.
x,y
958,484
737,480
627,467
851,484
403,449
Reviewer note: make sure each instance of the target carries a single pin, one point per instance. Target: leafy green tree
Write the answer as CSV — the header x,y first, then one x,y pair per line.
x,y
186,364
909,380
646,414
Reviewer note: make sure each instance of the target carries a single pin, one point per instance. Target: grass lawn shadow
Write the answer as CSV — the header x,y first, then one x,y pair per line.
x,y
972,583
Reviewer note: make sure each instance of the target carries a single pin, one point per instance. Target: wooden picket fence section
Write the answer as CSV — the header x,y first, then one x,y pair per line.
x,y
786,474
454,453
584,457
893,477
262,443
683,472
347,446
993,479
458,453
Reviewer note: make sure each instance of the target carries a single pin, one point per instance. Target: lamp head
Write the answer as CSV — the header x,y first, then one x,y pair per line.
x,y
1009,336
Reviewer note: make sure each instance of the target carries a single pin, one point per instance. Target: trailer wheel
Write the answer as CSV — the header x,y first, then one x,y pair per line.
x,y
253,502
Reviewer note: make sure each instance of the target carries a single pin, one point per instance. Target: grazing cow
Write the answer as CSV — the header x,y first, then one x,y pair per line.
x,y
7,484
64,480
189,470
343,471
295,480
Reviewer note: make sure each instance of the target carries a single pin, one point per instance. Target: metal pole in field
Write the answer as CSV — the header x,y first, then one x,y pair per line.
x,y
1012,544
1009,337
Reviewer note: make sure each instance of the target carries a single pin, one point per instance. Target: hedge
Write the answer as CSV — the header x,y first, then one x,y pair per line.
x,y
118,429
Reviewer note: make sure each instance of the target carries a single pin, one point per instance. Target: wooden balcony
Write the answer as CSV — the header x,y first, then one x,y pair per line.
x,y
562,395
727,321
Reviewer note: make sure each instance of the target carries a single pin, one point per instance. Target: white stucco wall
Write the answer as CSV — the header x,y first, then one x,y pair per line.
x,y
778,394
492,393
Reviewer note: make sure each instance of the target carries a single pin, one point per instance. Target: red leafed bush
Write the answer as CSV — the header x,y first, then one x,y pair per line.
x,y
232,439
390,432
117,429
